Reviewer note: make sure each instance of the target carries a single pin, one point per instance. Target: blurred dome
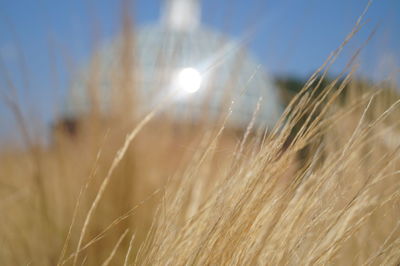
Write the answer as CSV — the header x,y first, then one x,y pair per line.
x,y
215,71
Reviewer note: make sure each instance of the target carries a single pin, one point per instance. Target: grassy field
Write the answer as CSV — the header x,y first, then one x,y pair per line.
x,y
322,187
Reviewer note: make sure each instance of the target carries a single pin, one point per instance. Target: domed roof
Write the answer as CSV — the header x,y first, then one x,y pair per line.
x,y
227,73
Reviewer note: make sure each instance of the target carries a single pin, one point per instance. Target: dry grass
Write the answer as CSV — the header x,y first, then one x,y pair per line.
x,y
321,188
340,206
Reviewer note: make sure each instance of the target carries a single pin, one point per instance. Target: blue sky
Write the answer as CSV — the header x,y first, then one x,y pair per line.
x,y
291,37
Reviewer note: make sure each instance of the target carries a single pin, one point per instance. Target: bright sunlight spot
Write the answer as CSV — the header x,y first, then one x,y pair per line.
x,y
189,80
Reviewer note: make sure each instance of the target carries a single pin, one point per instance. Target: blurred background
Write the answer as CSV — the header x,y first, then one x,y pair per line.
x,y
45,44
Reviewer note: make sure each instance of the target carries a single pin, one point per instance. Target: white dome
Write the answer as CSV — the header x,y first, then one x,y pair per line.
x,y
227,73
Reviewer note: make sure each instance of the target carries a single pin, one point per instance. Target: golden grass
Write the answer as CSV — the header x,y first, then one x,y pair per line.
x,y
322,187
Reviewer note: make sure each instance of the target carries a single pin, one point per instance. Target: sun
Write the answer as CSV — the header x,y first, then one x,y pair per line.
x,y
189,80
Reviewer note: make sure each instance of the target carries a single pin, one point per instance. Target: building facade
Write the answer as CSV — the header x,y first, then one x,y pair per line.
x,y
194,71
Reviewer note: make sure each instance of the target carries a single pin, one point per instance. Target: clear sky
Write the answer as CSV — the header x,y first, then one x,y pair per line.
x,y
290,37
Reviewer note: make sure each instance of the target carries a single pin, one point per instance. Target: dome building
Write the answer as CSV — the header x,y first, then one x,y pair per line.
x,y
198,70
